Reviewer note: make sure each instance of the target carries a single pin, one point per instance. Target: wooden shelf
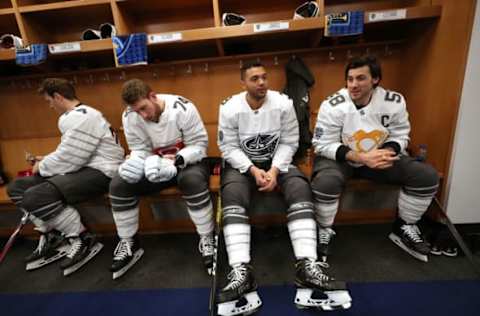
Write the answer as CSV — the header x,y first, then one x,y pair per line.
x,y
7,54
5,11
41,25
61,5
412,13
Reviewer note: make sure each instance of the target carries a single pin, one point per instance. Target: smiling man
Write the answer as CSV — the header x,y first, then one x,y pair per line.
x,y
363,131
258,136
168,142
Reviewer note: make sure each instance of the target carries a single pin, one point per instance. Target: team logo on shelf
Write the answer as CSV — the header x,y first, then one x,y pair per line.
x,y
261,147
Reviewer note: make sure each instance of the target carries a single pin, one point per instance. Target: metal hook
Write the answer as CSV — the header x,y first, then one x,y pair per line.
x,y
205,68
367,51
189,69
123,75
275,61
349,54
240,64
330,56
106,77
388,52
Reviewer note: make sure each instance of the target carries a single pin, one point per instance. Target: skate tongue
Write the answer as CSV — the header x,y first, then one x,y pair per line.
x,y
241,302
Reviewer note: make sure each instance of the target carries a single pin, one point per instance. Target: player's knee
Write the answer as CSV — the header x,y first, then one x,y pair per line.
x,y
424,176
14,188
45,192
192,179
328,182
118,186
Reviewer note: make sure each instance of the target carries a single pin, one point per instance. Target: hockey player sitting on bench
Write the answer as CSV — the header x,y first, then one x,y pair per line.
x,y
168,144
80,168
363,131
258,136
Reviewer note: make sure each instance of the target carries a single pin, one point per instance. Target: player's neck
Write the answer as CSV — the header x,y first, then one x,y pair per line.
x,y
71,104
253,102
364,101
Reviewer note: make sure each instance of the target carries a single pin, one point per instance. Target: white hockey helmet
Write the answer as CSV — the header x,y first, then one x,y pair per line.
x,y
232,19
308,9
10,41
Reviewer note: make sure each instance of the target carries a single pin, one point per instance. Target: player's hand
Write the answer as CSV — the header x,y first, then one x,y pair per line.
x,y
379,158
260,176
36,167
271,177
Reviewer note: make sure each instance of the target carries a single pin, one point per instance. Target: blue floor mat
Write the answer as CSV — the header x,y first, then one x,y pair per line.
x,y
439,298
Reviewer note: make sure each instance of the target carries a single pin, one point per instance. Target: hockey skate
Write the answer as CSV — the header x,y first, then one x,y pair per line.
x,y
126,254
205,246
409,238
82,249
316,290
325,237
240,296
50,248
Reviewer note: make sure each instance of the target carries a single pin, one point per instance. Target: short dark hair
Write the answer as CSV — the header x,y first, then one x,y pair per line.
x,y
367,60
61,86
134,90
249,64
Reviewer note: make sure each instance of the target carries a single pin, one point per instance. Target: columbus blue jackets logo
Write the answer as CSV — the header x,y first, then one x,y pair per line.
x,y
261,147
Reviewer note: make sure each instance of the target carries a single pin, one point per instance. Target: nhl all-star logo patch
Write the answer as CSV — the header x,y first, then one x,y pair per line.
x,y
220,136
261,146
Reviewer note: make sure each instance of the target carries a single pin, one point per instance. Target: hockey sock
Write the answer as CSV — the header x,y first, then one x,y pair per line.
x,y
126,222
303,235
325,213
203,219
237,241
411,207
68,222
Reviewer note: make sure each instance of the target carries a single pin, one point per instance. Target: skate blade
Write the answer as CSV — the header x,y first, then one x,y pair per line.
x,y
338,299
93,251
138,254
396,240
60,253
230,308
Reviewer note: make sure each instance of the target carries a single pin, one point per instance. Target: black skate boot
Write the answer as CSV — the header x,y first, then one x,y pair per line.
x,y
409,238
240,296
82,249
50,248
206,248
316,289
126,254
325,237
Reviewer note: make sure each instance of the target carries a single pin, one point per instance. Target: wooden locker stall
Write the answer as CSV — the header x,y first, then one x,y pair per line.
x,y
422,45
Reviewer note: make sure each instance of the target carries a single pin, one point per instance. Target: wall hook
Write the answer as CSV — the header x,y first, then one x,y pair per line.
x,y
330,56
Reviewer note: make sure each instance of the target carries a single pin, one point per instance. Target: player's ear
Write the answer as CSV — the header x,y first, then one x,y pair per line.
x,y
152,96
375,81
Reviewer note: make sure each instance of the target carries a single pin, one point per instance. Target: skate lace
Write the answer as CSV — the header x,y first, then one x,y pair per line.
x,y
205,246
412,232
314,269
123,249
236,277
325,235
75,246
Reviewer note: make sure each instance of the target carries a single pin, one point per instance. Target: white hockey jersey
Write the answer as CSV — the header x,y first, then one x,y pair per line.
x,y
384,119
87,141
247,136
180,131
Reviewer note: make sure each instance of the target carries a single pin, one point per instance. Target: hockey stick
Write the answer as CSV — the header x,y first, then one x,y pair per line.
x,y
458,238
14,235
218,232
